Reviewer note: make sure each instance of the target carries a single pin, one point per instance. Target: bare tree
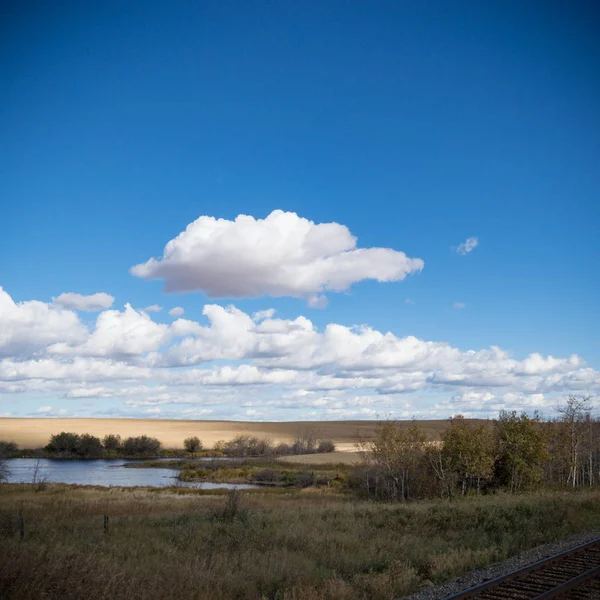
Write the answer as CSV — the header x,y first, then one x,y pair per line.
x,y
574,415
4,470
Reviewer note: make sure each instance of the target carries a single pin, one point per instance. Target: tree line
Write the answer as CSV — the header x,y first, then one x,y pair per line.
x,y
515,452
75,445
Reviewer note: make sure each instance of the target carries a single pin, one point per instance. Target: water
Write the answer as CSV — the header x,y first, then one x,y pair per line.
x,y
101,472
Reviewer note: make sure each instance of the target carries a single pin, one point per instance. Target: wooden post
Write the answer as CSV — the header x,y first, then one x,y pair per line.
x,y
105,523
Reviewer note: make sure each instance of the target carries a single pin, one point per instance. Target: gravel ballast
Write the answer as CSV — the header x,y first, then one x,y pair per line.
x,y
496,570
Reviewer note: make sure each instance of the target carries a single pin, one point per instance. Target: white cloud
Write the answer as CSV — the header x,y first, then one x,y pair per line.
x,y
49,411
152,308
177,311
256,361
467,246
317,301
263,314
281,255
91,303
459,305
28,327
119,333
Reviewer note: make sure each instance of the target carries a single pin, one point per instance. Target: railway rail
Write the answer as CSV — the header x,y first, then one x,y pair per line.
x,y
570,575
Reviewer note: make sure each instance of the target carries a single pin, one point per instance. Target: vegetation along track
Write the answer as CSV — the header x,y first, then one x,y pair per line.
x,y
570,575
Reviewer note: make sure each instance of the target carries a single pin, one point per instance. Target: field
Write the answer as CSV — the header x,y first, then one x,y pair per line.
x,y
34,433
279,545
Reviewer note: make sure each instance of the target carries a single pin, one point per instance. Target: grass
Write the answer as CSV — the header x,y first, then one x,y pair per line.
x,y
287,545
266,471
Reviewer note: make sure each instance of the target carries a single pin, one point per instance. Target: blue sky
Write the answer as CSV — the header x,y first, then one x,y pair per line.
x,y
414,125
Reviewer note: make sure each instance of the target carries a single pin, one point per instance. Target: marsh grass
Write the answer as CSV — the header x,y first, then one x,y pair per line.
x,y
287,545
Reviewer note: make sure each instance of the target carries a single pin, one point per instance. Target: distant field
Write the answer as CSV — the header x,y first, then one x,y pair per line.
x,y
34,433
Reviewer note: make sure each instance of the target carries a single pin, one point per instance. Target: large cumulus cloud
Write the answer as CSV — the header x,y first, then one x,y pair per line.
x,y
281,255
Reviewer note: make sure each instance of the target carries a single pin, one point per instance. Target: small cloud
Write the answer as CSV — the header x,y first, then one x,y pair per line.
x,y
409,301
467,246
152,308
177,311
48,411
459,305
261,315
317,301
91,303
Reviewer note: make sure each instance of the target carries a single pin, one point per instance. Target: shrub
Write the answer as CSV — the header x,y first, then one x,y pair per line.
x,y
7,448
112,442
267,476
245,445
282,449
192,444
231,510
63,443
326,446
88,446
141,446
304,479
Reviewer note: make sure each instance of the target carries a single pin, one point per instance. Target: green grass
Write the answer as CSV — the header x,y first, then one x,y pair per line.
x,y
267,471
288,545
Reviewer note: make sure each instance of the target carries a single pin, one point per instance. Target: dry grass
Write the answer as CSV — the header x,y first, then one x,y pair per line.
x,y
34,433
281,546
328,458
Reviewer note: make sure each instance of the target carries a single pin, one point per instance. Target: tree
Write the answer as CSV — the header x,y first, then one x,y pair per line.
x,y
7,448
3,470
468,451
192,444
89,446
394,452
305,442
522,449
112,442
575,415
141,446
63,443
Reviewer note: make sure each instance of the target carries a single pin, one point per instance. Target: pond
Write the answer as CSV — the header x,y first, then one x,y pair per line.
x,y
100,472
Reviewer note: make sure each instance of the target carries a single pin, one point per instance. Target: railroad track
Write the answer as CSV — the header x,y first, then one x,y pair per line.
x,y
570,575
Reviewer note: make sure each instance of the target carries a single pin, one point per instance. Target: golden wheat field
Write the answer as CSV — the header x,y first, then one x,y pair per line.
x,y
35,432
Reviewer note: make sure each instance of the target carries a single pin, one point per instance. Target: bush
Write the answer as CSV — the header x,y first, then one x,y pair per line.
x,y
89,446
245,445
112,442
231,510
326,446
192,444
304,479
63,443
282,449
267,476
141,446
7,448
